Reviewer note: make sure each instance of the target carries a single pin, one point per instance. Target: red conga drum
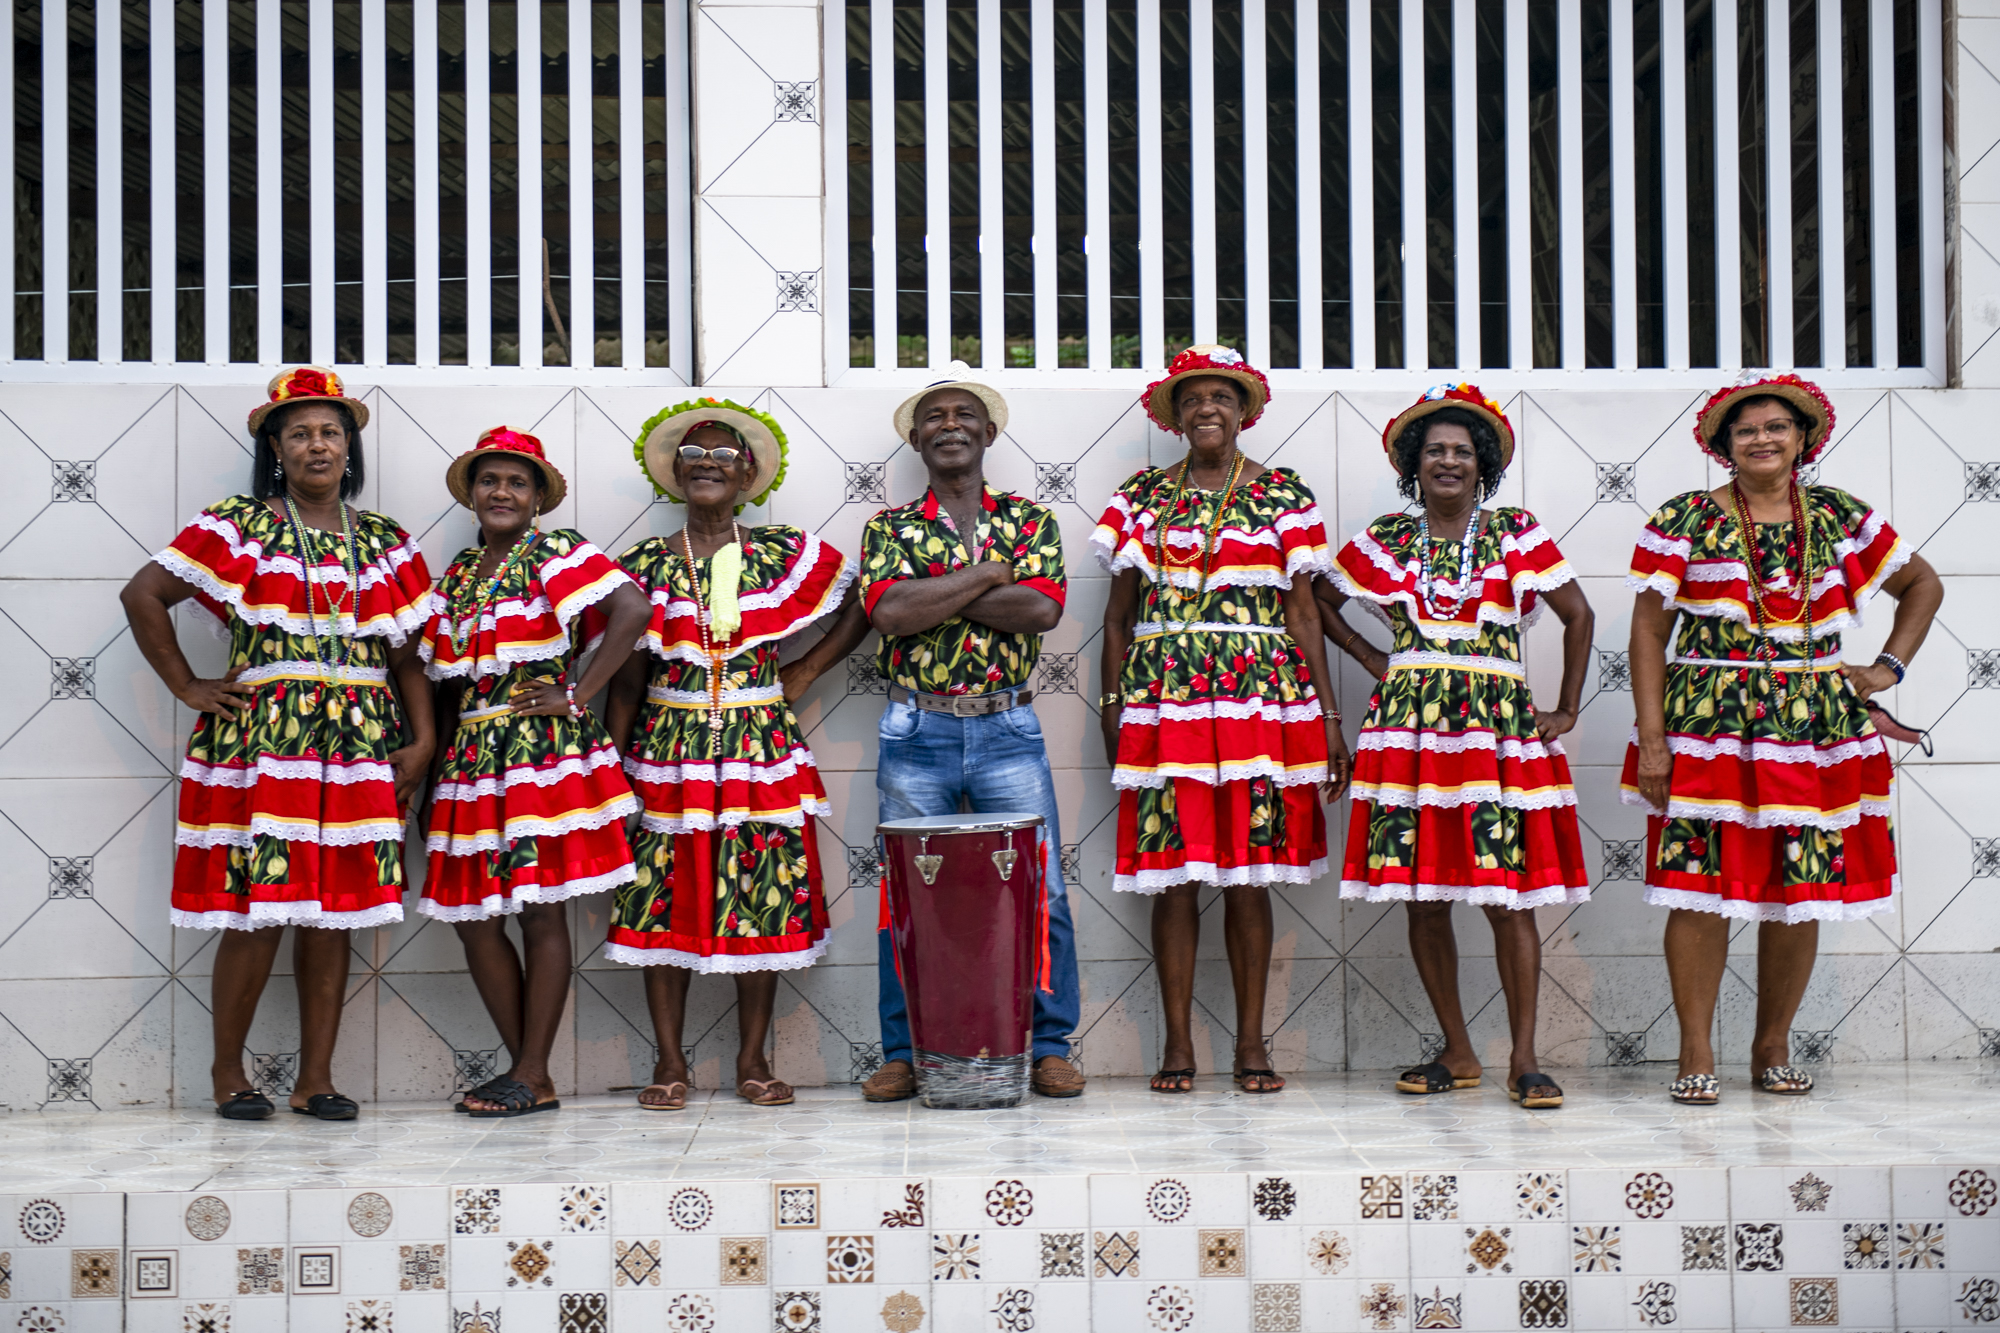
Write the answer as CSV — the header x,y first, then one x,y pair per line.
x,y
967,922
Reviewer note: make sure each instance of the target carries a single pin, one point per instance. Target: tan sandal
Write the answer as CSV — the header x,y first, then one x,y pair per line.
x,y
765,1097
676,1101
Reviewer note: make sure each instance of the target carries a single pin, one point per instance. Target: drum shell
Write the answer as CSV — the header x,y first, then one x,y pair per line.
x,y
965,946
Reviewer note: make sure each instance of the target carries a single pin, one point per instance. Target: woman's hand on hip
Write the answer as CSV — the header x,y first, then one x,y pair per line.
x,y
540,698
1374,661
228,696
1869,680
1656,773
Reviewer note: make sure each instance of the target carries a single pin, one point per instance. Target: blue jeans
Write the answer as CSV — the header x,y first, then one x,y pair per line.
x,y
929,763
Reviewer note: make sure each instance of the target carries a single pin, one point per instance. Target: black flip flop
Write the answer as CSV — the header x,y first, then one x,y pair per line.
x,y
1265,1074
1433,1077
515,1098
248,1104
1176,1075
329,1106
1519,1092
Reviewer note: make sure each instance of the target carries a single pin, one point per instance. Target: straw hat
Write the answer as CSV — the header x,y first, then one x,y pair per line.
x,y
305,384
660,439
1800,393
1440,396
1206,359
958,376
505,440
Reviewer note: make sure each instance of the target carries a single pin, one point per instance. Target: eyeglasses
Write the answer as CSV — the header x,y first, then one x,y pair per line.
x,y
694,453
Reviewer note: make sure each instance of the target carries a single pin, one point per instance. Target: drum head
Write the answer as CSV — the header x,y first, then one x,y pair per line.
x,y
938,824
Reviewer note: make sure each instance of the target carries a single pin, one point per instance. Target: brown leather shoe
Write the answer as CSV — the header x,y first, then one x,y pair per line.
x,y
1057,1077
894,1082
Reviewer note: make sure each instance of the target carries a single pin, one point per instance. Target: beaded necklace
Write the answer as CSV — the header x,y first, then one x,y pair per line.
x,y
343,649
1168,562
468,612
1461,591
1767,647
702,615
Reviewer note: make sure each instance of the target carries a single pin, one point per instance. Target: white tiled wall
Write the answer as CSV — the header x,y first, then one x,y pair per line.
x,y
105,1004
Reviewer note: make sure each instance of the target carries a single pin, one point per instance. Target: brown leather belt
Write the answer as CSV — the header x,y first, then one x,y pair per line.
x,y
963,705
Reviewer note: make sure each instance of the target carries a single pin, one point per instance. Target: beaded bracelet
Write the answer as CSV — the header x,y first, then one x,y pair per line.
x,y
1894,664
570,691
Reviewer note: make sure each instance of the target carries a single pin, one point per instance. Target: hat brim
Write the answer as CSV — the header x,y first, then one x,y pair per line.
x,y
664,439
1160,403
458,477
354,405
905,416
1711,420
1420,410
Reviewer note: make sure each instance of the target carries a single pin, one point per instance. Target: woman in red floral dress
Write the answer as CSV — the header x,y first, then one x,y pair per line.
x,y
530,805
1216,712
1766,785
1461,789
302,761
727,849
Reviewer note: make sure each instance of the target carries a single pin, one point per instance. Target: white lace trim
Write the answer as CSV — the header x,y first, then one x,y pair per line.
x,y
529,826
1488,612
1824,662
264,826
1669,587
1479,895
755,696
506,656
241,547
1773,752
1304,559
289,770
1472,793
705,822
719,963
396,626
1206,872
265,914
1741,909
687,772
767,600
1498,666
1152,627
1247,770
1444,742
1762,818
522,775
496,905
1235,710
335,675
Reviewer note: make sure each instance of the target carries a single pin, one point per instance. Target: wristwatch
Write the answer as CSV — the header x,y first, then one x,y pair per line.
x,y
1110,699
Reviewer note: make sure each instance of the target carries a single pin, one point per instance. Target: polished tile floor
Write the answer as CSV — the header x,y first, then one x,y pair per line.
x,y
1861,1115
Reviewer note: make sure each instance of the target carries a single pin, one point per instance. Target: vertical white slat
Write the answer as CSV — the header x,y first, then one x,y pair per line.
x,y
424,206
55,182
1201,128
110,182
1832,205
528,150
1520,236
1361,183
1042,46
374,184
1930,182
1882,178
1569,76
582,190
215,181
1778,175
937,186
164,239
1673,177
632,185
882,172
1152,236
319,184
1624,203
478,187
1728,194
1256,238
992,198
835,297
1465,182
1306,104
1416,253
680,218
8,166
271,183
1096,187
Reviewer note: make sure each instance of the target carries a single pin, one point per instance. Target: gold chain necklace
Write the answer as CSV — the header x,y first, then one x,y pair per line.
x,y
702,615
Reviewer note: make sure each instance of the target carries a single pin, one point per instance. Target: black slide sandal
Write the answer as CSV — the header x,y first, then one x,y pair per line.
x,y
515,1098
329,1106
1433,1077
1519,1092
248,1104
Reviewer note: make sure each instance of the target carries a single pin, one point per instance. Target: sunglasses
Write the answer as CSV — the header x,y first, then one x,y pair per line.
x,y
694,453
